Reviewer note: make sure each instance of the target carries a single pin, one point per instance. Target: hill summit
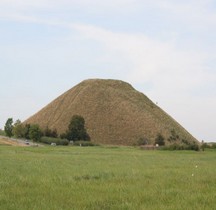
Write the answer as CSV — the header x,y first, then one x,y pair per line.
x,y
114,112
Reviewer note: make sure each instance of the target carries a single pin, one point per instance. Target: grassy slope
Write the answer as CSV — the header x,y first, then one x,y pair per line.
x,y
105,178
115,113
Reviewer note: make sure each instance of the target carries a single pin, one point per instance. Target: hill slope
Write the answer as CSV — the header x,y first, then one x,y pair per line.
x,y
114,112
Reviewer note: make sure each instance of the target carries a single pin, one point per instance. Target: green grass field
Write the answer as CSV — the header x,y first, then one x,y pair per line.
x,y
61,178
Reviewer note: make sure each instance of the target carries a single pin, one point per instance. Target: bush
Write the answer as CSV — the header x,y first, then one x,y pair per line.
x,y
50,133
160,140
213,146
35,132
58,141
76,129
176,146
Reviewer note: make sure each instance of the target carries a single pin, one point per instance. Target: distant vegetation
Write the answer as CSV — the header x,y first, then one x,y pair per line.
x,y
56,140
76,132
160,140
9,127
77,135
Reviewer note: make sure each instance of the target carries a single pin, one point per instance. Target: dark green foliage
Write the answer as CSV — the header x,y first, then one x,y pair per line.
x,y
50,133
27,128
8,128
58,141
35,132
76,129
176,146
213,146
194,146
19,130
160,140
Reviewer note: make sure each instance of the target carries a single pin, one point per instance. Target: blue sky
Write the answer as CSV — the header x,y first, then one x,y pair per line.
x,y
165,49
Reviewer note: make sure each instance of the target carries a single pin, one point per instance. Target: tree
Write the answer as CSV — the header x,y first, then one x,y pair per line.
x,y
19,129
35,132
160,140
76,129
27,128
9,127
50,133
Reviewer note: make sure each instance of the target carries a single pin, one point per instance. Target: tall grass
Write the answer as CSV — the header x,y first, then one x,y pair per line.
x,y
56,178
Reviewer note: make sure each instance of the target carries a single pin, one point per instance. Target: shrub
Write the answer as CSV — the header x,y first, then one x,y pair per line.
x,y
50,133
176,146
35,132
213,146
160,140
58,141
27,128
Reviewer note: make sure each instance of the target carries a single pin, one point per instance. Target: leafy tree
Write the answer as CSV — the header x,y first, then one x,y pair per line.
x,y
27,128
9,127
76,129
19,129
160,140
35,132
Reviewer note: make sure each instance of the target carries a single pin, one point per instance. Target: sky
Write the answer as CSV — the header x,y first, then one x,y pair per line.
x,y
163,48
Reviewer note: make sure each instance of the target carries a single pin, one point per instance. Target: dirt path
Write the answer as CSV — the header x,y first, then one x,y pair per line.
x,y
15,142
6,141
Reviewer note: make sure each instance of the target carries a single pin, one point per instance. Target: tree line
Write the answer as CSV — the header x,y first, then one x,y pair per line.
x,y
76,130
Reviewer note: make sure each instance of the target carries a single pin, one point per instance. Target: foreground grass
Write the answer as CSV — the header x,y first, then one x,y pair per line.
x,y
55,178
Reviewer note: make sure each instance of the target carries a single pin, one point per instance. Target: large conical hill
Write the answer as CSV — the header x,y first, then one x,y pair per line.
x,y
114,112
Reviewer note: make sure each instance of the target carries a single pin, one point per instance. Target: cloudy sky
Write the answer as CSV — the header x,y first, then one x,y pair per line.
x,y
164,48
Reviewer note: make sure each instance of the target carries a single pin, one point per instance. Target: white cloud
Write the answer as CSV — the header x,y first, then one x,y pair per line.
x,y
152,60
162,63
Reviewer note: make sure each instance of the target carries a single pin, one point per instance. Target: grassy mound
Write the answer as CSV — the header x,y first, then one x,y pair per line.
x,y
114,112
